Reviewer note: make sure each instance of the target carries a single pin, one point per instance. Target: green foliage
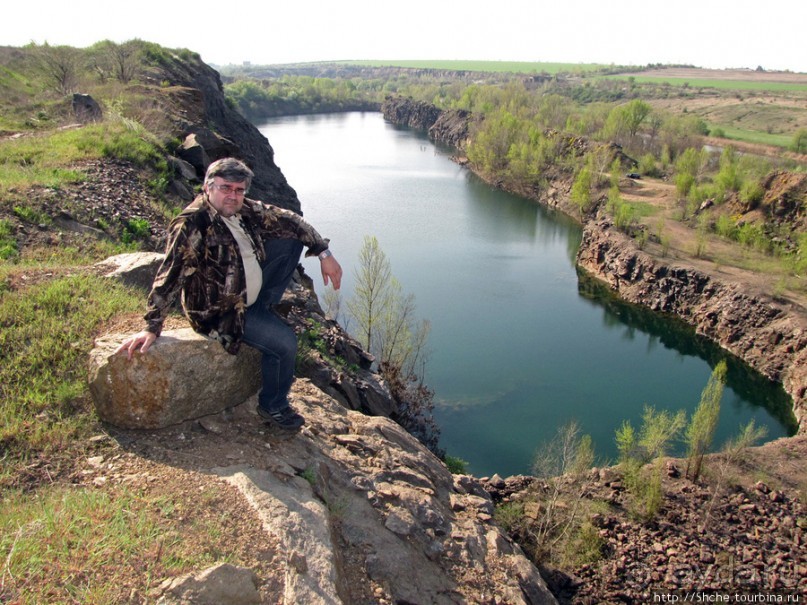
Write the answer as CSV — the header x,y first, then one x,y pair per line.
x,y
301,95
683,184
749,435
68,544
581,190
701,429
799,142
648,166
31,161
726,227
509,515
457,466
753,235
650,444
389,329
311,339
31,215
568,453
752,193
550,522
728,177
385,316
135,229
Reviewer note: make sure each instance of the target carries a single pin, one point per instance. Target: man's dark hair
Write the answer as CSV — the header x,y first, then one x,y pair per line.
x,y
229,169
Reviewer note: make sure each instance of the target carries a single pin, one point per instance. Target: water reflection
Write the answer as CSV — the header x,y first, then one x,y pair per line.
x,y
676,335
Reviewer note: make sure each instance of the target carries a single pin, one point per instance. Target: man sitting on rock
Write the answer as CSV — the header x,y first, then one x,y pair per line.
x,y
232,258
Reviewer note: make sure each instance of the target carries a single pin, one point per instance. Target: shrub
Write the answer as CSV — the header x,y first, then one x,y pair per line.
x,y
701,429
456,465
752,193
726,227
659,429
135,229
647,165
8,245
581,189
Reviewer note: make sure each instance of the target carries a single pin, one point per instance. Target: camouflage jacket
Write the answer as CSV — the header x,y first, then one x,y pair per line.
x,y
203,264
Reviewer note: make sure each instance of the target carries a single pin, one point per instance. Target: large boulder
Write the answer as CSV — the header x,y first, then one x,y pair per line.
x,y
183,376
86,109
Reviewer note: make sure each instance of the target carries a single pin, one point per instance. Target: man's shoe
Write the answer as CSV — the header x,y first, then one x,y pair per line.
x,y
286,418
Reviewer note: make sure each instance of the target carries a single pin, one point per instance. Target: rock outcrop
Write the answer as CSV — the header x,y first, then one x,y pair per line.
x,y
362,512
210,129
445,127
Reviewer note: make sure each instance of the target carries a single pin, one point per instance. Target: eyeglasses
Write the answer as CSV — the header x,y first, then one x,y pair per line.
x,y
228,189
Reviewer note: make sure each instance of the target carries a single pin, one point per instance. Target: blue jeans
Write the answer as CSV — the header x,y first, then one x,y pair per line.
x,y
266,331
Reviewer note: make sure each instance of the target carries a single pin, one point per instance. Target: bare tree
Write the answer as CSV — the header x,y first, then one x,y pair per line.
x,y
118,61
60,65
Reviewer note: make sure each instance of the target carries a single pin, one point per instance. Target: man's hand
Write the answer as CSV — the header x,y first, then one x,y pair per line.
x,y
142,340
331,270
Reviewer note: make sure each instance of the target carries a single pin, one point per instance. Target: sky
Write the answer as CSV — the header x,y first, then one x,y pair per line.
x,y
705,33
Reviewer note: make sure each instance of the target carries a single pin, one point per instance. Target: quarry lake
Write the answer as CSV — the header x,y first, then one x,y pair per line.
x,y
520,344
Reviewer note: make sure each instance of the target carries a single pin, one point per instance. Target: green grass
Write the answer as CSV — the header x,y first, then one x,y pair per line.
x,y
64,544
8,245
40,160
753,136
488,66
45,340
715,83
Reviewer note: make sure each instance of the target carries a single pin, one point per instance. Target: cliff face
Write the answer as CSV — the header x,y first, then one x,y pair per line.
x,y
445,127
768,336
202,118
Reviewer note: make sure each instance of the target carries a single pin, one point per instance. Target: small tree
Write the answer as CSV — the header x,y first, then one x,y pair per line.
x,y
390,331
372,291
581,189
701,429
119,61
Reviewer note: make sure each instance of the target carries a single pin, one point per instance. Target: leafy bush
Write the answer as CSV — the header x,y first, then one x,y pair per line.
x,y
658,431
456,465
726,227
648,166
135,229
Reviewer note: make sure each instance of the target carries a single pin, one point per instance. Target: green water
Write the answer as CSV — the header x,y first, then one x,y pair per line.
x,y
520,344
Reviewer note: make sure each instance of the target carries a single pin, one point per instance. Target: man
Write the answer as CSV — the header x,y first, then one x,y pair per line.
x,y
231,259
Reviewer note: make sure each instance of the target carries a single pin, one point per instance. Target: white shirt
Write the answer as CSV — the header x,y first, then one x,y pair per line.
x,y
252,269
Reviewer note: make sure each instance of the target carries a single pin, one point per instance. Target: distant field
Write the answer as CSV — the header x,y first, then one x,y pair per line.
x,y
753,136
725,79
491,66
723,84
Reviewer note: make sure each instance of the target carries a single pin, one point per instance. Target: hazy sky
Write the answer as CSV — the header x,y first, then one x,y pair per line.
x,y
706,33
